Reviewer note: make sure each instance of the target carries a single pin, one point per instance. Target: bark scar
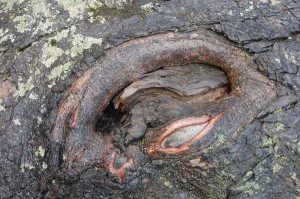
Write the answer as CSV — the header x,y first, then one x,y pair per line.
x,y
119,172
185,122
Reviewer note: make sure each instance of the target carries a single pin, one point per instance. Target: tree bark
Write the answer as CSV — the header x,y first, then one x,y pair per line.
x,y
140,99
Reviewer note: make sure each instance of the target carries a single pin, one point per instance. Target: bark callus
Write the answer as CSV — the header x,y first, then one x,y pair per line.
x,y
220,114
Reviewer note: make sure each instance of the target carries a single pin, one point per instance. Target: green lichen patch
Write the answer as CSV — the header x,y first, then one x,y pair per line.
x,y
221,139
4,36
268,141
1,106
290,57
26,165
8,4
52,51
39,120
23,23
168,184
127,11
34,13
277,110
38,6
75,8
23,88
279,126
148,7
59,71
296,181
249,187
81,43
41,151
17,122
44,166
51,54
61,34
276,167
33,96
274,2
249,8
78,8
207,149
243,54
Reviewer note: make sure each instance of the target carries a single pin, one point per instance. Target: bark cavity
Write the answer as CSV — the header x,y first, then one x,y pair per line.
x,y
151,93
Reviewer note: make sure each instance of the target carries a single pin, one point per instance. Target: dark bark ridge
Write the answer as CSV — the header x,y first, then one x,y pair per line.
x,y
83,103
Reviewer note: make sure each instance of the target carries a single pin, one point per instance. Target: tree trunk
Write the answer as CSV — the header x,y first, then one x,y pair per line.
x,y
140,99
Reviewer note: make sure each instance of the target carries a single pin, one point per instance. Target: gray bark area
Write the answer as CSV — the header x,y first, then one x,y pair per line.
x,y
46,45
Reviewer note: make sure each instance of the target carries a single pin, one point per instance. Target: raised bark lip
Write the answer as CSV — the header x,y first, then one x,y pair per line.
x,y
181,123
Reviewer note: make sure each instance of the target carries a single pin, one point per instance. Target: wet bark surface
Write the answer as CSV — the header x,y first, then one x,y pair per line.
x,y
150,99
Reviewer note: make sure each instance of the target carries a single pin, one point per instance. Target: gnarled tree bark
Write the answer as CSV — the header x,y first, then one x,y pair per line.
x,y
149,99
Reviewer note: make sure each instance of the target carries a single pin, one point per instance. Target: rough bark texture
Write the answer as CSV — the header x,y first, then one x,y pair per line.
x,y
62,63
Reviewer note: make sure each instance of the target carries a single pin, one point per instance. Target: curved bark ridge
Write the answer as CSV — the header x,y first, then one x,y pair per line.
x,y
172,100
